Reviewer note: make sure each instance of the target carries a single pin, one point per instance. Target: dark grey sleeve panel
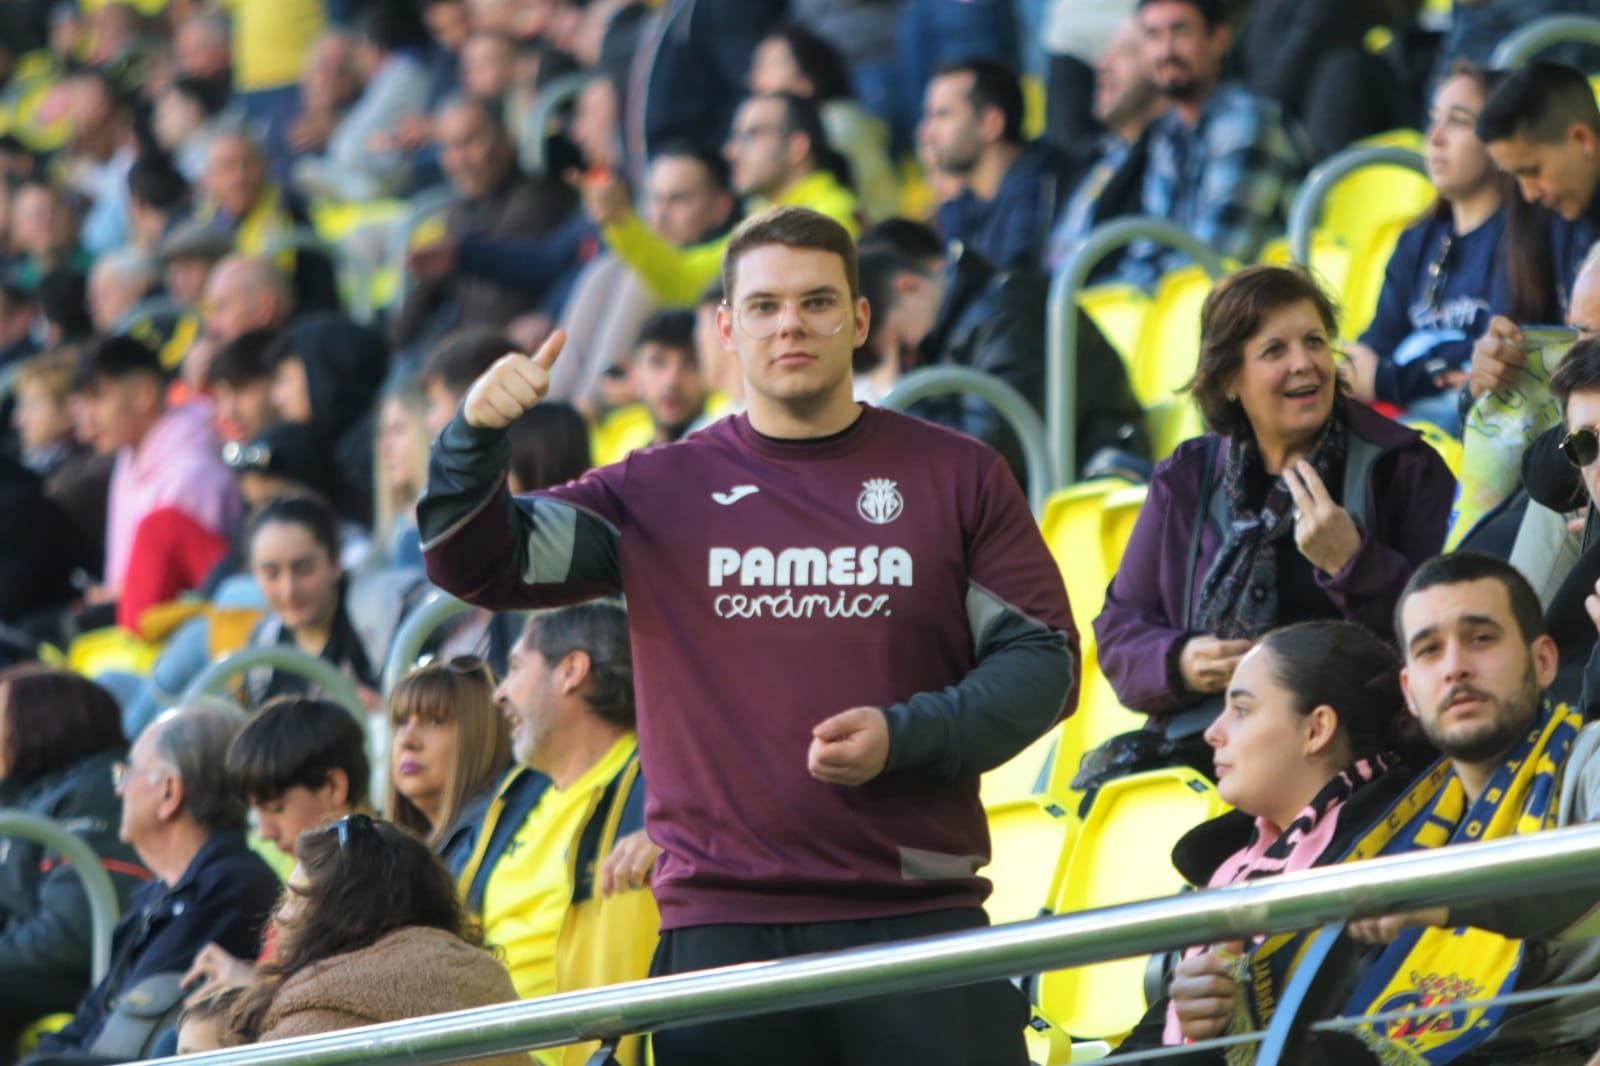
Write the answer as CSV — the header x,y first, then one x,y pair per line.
x,y
466,469
1017,690
497,551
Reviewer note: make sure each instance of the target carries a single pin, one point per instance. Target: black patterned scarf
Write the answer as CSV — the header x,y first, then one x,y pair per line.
x,y
1239,597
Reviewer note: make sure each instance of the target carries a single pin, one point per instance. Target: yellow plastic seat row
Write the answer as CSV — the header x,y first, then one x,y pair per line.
x,y
1121,853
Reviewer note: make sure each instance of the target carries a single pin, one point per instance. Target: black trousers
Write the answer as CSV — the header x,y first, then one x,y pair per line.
x,y
976,1025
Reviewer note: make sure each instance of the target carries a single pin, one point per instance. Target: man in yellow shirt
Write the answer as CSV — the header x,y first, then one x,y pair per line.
x,y
548,850
776,153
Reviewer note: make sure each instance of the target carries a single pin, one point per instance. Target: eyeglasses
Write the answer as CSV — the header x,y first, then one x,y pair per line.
x,y
238,456
121,772
1436,272
1581,447
823,313
349,823
745,136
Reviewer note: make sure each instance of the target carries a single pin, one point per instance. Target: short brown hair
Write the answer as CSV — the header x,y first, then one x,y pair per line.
x,y
50,372
793,227
1231,315
53,718
464,356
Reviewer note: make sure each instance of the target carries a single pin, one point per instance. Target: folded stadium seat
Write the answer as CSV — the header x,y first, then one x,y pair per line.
x,y
1099,717
112,649
620,432
1165,356
1022,775
1072,525
1033,106
1330,260
28,1039
1365,280
1117,516
1448,447
1119,311
1027,838
1120,853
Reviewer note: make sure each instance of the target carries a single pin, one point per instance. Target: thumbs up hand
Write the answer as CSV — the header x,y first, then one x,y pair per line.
x,y
511,386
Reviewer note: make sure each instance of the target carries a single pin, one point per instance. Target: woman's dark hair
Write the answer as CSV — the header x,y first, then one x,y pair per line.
x,y
295,741
549,446
53,718
308,512
1345,666
1579,372
1526,242
364,879
1232,314
818,61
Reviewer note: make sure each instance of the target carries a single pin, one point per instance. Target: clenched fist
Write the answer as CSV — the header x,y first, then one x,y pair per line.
x,y
511,386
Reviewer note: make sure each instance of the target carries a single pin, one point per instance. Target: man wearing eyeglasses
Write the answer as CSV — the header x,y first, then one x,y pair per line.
x,y
840,617
185,820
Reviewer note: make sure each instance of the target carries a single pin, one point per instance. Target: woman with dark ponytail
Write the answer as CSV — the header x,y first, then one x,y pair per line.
x,y
1313,744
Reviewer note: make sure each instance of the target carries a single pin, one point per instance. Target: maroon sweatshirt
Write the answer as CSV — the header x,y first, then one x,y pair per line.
x,y
770,585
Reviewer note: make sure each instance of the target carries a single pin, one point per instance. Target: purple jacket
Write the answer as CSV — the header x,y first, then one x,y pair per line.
x,y
1141,632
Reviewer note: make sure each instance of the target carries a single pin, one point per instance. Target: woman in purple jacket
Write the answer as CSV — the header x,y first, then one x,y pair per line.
x,y
1300,504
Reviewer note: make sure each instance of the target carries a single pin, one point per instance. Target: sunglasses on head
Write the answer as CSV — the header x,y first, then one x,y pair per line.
x,y
1581,447
343,827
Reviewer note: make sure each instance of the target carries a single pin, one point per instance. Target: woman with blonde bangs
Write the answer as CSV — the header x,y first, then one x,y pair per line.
x,y
450,748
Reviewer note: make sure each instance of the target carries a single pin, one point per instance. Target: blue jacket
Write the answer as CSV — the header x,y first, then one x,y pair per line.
x,y
225,896
1569,244
1010,230
1432,309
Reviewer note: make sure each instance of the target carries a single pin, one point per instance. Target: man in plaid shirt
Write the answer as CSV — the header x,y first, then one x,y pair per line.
x,y
1222,161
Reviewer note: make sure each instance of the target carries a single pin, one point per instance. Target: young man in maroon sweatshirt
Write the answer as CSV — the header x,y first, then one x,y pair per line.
x,y
840,618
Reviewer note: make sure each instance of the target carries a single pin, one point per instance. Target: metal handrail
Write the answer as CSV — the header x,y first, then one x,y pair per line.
x,y
103,906
1017,411
1528,41
435,609
536,126
434,200
213,680
1061,352
347,273
1558,860
1306,210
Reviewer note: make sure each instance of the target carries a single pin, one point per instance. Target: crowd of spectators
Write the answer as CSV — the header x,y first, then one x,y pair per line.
x,y
262,260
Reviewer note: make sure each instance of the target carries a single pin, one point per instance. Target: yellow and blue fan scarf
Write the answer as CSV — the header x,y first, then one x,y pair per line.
x,y
1431,967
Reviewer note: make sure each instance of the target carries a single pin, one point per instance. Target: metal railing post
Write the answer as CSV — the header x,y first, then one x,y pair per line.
x,y
1554,861
536,125
434,200
1061,321
1017,412
1528,41
103,907
213,680
435,609
1306,210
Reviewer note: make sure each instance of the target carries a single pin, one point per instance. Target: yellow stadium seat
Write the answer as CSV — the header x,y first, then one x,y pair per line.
x,y
1033,106
1019,777
101,651
1099,717
1121,853
1026,839
1119,311
1365,282
1367,201
1169,345
1117,517
28,1040
1171,423
619,433
1071,525
1448,447
1330,261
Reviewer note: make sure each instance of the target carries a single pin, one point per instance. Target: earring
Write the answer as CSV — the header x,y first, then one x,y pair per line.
x,y
1230,397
